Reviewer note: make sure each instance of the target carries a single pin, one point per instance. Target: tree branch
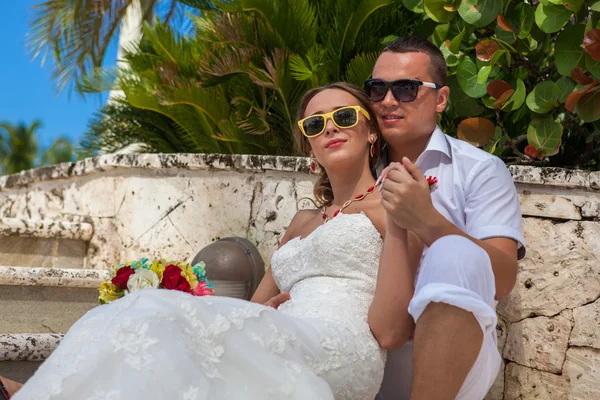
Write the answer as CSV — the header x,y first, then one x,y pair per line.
x,y
509,140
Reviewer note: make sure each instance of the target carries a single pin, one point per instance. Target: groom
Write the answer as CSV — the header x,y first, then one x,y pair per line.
x,y
470,223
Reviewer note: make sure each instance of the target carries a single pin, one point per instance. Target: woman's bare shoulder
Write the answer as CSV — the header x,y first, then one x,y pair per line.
x,y
374,210
299,225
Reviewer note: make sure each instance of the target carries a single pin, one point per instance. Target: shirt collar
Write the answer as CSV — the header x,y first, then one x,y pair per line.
x,y
437,142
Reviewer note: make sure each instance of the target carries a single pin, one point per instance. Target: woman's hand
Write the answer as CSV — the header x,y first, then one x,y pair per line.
x,y
12,386
406,196
278,300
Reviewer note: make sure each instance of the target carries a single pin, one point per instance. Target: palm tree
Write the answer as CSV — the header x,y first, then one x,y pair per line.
x,y
60,151
77,33
18,146
233,86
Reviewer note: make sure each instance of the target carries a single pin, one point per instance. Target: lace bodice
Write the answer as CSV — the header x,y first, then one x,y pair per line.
x,y
331,274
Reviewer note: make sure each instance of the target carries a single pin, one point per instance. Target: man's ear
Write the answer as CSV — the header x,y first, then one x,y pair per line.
x,y
443,94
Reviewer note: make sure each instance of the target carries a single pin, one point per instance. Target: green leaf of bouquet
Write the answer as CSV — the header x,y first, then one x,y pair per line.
x,y
550,18
467,75
436,11
544,97
479,12
588,106
566,86
545,134
568,50
595,6
517,99
415,6
464,105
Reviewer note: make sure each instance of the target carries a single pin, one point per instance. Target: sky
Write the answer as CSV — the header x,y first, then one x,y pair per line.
x,y
27,91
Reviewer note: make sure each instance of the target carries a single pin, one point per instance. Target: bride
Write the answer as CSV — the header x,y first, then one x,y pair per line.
x,y
349,291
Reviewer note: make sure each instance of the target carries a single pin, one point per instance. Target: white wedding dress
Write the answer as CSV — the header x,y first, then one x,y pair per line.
x,y
162,344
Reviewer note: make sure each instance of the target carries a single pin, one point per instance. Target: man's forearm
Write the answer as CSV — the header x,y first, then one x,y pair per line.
x,y
504,264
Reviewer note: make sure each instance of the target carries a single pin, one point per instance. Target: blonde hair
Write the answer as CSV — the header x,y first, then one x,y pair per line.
x,y
322,191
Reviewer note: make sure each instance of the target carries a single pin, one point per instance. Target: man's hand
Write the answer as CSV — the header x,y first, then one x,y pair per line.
x,y
278,300
405,195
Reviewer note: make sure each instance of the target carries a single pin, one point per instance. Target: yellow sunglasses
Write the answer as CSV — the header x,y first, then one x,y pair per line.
x,y
345,117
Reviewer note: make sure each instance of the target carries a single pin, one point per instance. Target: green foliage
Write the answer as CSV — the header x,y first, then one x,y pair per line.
x,y
61,150
531,69
77,33
235,84
19,148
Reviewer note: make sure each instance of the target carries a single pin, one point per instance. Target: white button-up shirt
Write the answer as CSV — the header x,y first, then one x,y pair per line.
x,y
475,190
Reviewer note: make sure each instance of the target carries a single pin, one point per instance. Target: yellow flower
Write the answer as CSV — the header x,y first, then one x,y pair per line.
x,y
188,273
109,292
158,268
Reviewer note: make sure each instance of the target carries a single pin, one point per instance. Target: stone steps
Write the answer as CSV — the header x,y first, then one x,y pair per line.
x,y
39,305
44,243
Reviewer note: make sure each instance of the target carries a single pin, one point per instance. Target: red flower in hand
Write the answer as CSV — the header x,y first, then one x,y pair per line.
x,y
172,279
123,274
432,180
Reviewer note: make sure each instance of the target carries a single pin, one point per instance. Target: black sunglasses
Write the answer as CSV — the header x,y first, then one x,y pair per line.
x,y
404,90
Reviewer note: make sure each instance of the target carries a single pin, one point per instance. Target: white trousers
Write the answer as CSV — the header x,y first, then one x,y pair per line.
x,y
454,271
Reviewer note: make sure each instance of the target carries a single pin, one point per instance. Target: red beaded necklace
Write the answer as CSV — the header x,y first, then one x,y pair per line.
x,y
358,197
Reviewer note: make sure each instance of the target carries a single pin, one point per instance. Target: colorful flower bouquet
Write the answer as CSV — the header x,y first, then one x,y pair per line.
x,y
143,274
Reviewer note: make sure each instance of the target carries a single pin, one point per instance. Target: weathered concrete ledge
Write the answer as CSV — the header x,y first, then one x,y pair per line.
x,y
46,229
28,347
191,162
240,162
52,277
561,177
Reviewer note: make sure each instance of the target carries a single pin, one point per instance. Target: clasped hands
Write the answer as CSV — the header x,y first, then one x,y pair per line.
x,y
406,198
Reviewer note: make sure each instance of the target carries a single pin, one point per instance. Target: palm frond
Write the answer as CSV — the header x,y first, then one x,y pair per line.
x,y
294,20
360,68
99,80
76,33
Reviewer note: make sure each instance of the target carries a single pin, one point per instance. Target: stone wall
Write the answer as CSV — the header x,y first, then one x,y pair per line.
x,y
173,205
162,205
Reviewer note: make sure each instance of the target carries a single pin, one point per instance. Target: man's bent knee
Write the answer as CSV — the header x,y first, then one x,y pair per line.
x,y
456,260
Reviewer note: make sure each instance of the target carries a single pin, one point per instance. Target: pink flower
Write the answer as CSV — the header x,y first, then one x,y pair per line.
x,y
203,289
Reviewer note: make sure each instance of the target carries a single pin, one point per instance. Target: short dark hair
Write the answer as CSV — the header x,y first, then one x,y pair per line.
x,y
410,44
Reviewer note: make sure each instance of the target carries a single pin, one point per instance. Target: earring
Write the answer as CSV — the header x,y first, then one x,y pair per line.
x,y
372,149
313,163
